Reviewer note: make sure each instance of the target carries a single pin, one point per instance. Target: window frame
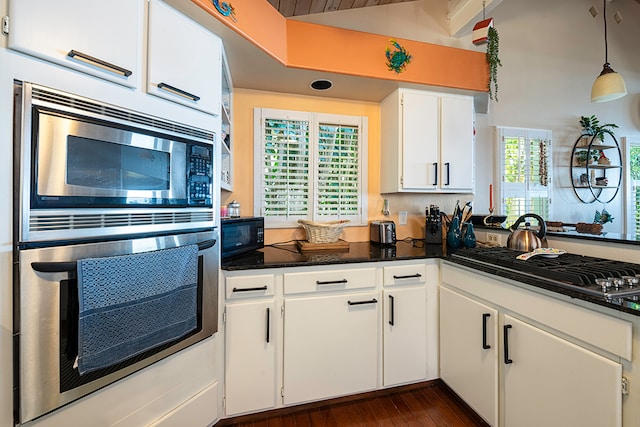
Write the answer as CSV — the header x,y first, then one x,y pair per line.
x,y
503,191
630,225
315,120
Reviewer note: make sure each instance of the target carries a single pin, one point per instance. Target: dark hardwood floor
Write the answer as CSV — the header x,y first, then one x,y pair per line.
x,y
431,404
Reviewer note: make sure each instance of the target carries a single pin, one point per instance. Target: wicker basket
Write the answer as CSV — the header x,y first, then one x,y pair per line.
x,y
323,232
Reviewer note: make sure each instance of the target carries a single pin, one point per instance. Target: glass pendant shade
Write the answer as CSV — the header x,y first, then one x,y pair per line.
x,y
608,86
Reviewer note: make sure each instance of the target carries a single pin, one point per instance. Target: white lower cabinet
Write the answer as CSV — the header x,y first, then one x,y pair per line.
x,y
250,357
404,324
251,342
330,346
469,352
549,381
516,361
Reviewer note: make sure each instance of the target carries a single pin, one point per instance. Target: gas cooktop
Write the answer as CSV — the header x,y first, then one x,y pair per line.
x,y
616,282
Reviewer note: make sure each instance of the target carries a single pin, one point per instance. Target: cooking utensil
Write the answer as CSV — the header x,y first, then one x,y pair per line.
x,y
527,239
544,252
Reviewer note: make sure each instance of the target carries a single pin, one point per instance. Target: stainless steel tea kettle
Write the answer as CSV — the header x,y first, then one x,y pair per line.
x,y
525,239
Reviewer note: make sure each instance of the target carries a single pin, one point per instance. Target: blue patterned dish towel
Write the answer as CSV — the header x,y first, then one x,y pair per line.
x,y
132,303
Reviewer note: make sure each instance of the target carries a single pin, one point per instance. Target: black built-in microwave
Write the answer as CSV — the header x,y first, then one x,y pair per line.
x,y
241,235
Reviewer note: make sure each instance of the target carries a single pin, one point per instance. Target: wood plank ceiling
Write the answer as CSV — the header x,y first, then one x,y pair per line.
x,y
305,7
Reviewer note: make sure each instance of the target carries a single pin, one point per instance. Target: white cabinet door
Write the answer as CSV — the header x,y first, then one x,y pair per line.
x,y
184,60
457,171
551,382
420,141
404,335
101,38
250,357
330,346
469,352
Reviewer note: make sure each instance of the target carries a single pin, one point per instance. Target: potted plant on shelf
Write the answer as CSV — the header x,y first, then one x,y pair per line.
x,y
591,126
493,45
584,157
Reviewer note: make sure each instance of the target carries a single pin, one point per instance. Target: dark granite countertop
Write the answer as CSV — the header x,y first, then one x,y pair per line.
x,y
288,255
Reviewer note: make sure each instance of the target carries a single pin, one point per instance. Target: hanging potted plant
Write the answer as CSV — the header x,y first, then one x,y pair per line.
x,y
493,61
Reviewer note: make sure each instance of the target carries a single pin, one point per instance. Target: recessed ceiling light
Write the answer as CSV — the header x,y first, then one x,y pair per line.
x,y
321,84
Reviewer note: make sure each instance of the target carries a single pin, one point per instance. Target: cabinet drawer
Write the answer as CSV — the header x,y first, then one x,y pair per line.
x,y
249,286
332,280
405,274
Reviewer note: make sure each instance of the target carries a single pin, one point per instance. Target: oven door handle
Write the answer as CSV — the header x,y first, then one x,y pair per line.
x,y
70,267
54,267
206,244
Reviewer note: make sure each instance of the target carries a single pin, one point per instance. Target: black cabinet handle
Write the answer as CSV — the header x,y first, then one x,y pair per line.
x,y
172,89
331,282
371,301
268,323
485,316
506,344
261,288
392,310
435,165
103,64
410,276
448,165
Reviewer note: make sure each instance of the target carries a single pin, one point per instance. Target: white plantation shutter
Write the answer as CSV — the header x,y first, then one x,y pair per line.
x,y
636,206
525,179
338,177
311,166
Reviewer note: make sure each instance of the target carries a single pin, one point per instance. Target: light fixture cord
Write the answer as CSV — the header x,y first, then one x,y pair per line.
x,y
606,48
483,17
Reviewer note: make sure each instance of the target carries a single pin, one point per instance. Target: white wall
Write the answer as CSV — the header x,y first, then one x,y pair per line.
x,y
551,52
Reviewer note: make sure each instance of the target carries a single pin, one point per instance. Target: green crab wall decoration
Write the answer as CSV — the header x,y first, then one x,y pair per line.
x,y
398,59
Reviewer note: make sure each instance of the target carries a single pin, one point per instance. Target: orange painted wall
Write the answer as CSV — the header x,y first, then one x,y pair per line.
x,y
244,102
318,47
323,48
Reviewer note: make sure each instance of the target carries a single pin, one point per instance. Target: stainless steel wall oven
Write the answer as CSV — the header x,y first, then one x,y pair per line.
x,y
115,244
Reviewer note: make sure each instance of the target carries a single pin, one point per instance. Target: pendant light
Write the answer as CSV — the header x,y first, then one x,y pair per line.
x,y
609,85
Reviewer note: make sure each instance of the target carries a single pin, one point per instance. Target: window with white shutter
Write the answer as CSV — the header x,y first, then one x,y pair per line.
x,y
632,166
309,166
524,156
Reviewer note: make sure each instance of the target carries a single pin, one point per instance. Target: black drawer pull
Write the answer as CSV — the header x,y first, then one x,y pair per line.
x,y
392,310
410,276
435,165
507,361
371,301
331,282
485,316
268,323
104,64
179,92
261,288
448,168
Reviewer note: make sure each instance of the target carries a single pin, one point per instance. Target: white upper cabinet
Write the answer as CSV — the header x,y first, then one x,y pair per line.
x,y
184,60
427,142
101,38
457,143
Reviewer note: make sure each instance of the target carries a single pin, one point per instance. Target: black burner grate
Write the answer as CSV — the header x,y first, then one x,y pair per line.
x,y
575,269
